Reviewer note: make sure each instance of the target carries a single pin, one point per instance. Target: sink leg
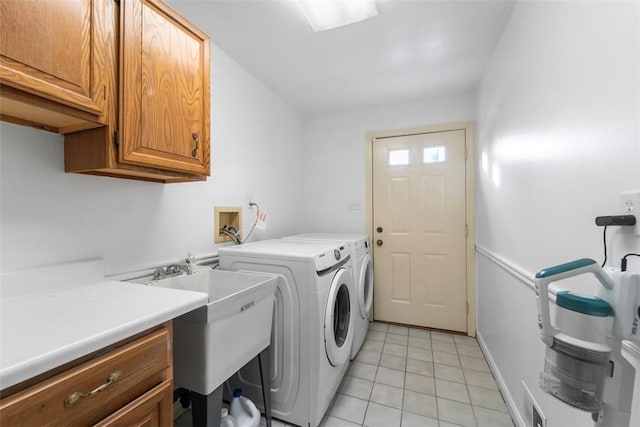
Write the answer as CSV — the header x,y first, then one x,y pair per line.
x,y
265,380
206,409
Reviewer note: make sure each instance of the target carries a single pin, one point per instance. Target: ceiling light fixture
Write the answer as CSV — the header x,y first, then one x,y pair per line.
x,y
328,14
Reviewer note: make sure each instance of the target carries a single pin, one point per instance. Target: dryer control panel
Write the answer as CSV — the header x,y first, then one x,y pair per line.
x,y
328,259
362,245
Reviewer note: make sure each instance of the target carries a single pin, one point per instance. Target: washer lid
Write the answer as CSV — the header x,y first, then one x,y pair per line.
x,y
324,254
330,236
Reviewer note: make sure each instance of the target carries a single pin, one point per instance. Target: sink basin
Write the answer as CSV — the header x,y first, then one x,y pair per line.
x,y
214,341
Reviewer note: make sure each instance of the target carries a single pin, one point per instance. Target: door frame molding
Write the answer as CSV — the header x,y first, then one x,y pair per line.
x,y
469,128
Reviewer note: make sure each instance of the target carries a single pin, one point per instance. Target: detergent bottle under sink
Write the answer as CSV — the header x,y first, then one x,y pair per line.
x,y
227,420
243,410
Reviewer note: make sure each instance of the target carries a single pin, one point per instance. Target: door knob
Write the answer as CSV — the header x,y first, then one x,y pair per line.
x,y
379,229
379,242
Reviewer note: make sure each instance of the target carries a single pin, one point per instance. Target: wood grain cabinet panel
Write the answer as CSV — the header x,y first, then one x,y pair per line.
x,y
141,393
52,56
164,82
159,131
126,81
153,409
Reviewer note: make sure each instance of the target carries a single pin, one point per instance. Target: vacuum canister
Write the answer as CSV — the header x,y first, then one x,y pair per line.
x,y
577,362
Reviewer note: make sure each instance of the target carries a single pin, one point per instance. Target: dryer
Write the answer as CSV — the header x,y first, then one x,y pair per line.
x,y
359,246
312,331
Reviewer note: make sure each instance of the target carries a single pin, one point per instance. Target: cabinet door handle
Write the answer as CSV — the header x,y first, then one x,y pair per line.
x,y
379,242
74,397
196,139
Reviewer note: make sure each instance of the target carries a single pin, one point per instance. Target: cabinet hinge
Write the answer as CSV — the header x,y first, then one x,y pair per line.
x,y
467,308
116,138
104,92
466,152
466,230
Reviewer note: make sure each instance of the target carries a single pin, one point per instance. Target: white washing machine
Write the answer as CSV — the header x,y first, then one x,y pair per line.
x,y
312,331
358,245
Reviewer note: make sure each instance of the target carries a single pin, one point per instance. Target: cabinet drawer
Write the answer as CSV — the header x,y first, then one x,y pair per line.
x,y
154,408
142,364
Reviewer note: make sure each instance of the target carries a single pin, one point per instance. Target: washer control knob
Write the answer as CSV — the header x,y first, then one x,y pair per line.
x,y
336,253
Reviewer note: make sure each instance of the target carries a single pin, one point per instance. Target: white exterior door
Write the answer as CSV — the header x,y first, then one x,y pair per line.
x,y
419,230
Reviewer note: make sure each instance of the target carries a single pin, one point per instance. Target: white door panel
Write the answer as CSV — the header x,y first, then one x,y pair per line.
x,y
419,204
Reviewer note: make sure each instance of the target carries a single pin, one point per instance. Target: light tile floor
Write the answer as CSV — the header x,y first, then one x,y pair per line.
x,y
410,377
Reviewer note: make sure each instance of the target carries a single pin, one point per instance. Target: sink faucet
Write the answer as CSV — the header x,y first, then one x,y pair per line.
x,y
175,269
190,262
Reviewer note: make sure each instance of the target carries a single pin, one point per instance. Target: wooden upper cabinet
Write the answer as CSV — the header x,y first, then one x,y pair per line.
x,y
160,76
52,57
126,81
164,89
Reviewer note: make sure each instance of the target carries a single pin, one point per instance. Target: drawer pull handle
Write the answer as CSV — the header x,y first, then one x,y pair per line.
x,y
73,398
196,140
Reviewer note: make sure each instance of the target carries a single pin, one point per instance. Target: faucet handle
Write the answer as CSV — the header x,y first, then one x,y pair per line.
x,y
190,262
190,259
158,273
172,269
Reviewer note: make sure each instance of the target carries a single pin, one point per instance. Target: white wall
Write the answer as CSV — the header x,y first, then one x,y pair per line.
x,y
47,216
335,158
558,118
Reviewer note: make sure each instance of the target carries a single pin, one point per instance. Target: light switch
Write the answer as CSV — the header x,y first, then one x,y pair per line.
x,y
354,205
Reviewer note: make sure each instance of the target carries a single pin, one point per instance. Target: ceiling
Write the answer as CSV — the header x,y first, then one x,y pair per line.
x,y
411,50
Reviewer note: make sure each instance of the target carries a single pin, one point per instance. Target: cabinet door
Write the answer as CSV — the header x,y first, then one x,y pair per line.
x,y
164,89
153,409
54,49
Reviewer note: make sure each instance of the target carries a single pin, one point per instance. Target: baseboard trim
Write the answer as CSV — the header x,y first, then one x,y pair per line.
x,y
508,398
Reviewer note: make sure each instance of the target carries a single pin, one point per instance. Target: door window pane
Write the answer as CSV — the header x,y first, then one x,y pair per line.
x,y
399,157
434,155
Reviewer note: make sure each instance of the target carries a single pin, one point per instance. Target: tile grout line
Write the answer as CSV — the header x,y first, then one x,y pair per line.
x,y
404,388
459,360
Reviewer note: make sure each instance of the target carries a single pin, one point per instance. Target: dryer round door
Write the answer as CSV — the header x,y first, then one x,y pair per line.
x,y
365,286
338,334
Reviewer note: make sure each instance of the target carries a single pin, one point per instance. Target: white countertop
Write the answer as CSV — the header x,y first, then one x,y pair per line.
x,y
42,330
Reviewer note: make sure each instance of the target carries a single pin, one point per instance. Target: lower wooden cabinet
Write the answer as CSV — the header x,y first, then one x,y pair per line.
x,y
128,385
154,408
